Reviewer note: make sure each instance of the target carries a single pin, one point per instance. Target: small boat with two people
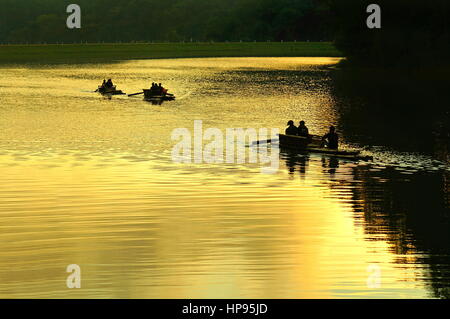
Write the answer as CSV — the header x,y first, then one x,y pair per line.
x,y
108,88
156,92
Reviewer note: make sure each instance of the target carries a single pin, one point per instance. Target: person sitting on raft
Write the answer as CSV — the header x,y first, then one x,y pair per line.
x,y
303,130
292,129
331,138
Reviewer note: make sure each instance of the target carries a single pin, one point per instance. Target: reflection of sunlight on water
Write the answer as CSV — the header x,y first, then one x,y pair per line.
x,y
195,232
90,181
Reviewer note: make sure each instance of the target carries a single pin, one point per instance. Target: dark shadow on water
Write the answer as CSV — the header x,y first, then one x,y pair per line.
x,y
412,214
408,211
403,111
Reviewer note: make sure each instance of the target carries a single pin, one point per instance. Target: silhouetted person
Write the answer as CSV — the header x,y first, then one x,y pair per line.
x,y
109,83
292,129
303,130
331,138
104,83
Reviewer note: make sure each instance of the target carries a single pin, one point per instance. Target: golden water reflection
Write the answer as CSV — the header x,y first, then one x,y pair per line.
x,y
90,181
138,231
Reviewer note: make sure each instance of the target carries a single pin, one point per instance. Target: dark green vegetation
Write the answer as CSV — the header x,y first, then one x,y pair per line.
x,y
38,21
414,33
87,53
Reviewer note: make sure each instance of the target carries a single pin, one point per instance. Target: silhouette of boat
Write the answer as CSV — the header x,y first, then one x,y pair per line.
x,y
313,144
109,91
150,95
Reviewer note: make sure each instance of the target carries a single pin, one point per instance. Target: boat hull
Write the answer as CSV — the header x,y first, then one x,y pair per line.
x,y
149,95
109,91
300,145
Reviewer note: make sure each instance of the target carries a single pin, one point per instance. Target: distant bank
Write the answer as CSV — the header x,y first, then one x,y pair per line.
x,y
105,53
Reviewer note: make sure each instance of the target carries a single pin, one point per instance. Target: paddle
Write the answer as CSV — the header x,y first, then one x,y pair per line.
x,y
265,141
135,94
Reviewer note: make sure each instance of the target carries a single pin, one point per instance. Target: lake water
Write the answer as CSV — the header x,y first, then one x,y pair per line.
x,y
90,181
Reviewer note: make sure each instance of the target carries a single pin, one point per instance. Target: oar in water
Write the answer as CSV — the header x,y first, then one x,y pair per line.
x,y
265,141
135,94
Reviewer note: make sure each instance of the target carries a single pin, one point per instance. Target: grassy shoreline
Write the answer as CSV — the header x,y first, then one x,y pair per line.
x,y
110,53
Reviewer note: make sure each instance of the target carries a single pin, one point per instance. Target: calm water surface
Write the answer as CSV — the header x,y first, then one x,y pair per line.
x,y
90,181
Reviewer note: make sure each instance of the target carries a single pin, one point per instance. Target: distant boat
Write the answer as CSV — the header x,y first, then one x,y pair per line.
x,y
109,91
150,95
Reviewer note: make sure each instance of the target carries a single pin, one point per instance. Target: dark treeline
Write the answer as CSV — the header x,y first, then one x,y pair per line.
x,y
413,33
37,21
